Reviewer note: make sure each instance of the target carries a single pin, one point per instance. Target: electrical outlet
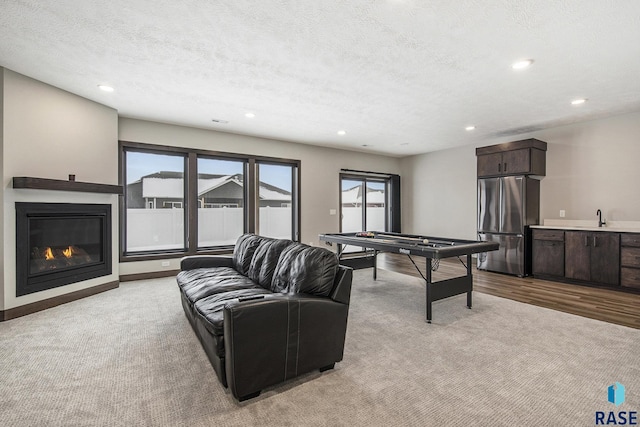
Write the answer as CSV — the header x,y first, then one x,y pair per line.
x,y
562,213
166,263
332,212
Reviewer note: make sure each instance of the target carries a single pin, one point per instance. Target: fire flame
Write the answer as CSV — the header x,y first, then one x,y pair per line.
x,y
68,252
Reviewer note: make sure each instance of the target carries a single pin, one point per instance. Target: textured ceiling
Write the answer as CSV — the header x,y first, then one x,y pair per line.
x,y
400,76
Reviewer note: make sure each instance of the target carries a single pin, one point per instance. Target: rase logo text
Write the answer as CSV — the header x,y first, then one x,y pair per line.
x,y
615,395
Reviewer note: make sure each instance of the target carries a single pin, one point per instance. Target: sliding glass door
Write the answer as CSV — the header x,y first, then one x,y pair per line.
x,y
376,205
364,204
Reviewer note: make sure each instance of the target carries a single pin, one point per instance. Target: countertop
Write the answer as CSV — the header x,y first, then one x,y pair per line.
x,y
590,225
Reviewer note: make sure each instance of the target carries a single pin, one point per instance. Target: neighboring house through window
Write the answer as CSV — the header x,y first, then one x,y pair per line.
x,y
163,184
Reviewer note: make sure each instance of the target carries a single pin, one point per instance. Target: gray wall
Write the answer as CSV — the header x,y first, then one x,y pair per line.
x,y
2,187
439,193
593,165
590,165
51,133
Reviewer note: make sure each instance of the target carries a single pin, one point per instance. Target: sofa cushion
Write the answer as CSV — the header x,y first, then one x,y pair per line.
x,y
305,269
265,260
189,278
202,282
243,251
210,309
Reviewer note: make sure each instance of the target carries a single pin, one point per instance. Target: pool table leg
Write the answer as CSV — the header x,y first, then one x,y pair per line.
x,y
470,276
429,292
375,264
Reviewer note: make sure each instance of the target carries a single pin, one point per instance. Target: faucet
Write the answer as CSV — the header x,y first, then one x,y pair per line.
x,y
600,221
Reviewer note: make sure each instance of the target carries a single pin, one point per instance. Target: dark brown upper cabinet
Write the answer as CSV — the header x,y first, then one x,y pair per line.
x,y
525,157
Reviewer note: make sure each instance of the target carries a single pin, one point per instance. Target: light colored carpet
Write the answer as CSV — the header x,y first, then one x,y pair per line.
x,y
129,357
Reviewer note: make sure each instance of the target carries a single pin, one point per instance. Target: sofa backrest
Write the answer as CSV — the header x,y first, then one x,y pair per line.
x,y
265,260
243,252
305,269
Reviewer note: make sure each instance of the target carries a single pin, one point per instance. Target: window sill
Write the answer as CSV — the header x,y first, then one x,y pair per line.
x,y
227,250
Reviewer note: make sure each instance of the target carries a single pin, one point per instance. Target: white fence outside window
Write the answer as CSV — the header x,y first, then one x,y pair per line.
x,y
158,229
352,219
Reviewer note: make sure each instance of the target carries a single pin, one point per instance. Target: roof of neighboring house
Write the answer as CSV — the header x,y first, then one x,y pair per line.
x,y
166,184
353,196
267,192
206,185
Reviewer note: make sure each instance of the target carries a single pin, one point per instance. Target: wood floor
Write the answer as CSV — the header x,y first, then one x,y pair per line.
x,y
622,308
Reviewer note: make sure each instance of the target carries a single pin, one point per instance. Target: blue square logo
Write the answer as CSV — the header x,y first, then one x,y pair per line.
x,y
616,394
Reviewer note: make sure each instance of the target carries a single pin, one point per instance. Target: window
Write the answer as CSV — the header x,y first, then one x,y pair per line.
x,y
351,207
364,204
220,185
184,201
177,205
376,205
154,200
276,207
369,202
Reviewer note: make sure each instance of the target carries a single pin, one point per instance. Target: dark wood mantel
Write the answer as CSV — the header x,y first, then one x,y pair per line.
x,y
61,185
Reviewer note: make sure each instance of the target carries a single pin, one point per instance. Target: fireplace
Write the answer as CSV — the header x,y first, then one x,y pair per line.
x,y
61,243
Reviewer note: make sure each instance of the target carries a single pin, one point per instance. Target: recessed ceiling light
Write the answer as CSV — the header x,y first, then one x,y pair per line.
x,y
578,101
522,64
105,88
249,115
342,132
469,128
365,145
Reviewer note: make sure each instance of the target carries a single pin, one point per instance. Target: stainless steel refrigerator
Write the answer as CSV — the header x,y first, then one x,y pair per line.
x,y
506,207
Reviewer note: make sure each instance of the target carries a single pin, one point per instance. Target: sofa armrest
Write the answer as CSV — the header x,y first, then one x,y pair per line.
x,y
205,261
341,291
278,337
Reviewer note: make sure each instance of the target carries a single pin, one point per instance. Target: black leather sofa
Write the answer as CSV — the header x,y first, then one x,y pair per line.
x,y
272,311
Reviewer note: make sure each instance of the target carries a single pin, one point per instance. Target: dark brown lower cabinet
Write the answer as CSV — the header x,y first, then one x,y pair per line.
x,y
592,257
630,260
548,253
577,256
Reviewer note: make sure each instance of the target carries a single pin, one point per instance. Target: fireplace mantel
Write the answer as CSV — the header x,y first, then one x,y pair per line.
x,y
61,185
